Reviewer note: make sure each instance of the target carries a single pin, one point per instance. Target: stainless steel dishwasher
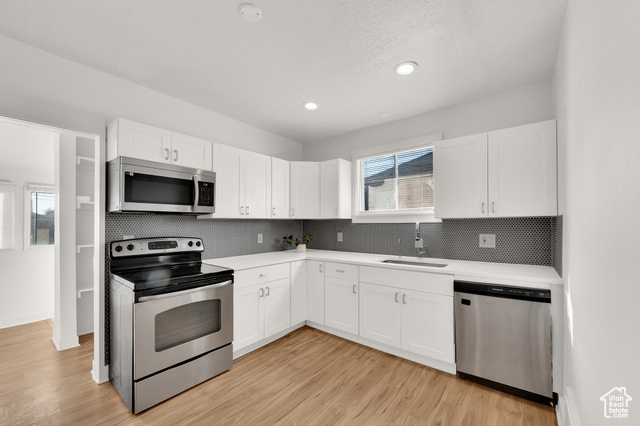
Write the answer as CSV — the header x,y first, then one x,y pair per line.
x,y
503,338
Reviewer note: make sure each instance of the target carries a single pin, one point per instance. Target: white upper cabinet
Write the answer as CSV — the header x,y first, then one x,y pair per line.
x,y
523,171
189,151
505,173
280,184
243,183
460,169
335,189
305,190
127,138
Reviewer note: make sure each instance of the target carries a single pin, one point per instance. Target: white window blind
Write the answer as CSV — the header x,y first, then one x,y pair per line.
x,y
400,181
6,216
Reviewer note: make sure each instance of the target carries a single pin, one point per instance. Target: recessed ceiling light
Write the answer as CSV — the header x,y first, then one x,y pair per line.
x,y
406,68
385,115
310,105
249,12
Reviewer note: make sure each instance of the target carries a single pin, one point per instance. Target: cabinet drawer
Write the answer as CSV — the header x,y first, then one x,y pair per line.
x,y
263,274
341,270
410,280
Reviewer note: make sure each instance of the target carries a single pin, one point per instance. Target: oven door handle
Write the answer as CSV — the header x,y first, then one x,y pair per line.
x,y
183,292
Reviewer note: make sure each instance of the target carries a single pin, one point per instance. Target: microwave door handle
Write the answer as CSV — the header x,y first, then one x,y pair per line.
x,y
196,197
183,292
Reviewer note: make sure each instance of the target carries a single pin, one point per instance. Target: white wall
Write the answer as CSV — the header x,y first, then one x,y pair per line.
x,y
26,276
524,105
35,85
597,91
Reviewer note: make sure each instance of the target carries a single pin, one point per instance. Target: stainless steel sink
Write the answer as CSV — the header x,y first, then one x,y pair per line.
x,y
415,263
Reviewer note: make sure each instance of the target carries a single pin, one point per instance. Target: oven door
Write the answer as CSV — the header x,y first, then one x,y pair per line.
x,y
174,327
171,190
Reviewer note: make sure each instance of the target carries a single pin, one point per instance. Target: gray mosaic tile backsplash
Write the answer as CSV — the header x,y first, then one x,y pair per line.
x,y
518,240
557,244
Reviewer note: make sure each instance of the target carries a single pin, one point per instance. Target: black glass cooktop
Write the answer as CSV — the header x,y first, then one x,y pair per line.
x,y
184,275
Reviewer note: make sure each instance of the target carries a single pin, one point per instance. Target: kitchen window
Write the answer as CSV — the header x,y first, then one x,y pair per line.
x,y
40,216
6,216
394,183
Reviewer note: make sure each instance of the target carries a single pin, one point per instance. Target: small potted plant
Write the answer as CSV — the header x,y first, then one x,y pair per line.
x,y
301,246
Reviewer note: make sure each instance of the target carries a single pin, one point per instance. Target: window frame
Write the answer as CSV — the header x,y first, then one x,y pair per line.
x,y
389,216
13,215
28,190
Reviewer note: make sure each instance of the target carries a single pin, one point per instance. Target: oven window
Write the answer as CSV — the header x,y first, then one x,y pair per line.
x,y
141,188
187,322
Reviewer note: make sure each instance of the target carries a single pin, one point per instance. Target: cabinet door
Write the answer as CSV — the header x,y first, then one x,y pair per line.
x,y
298,292
257,172
329,189
280,185
380,314
460,177
248,316
277,307
427,325
341,304
189,151
305,190
523,171
142,141
315,291
228,162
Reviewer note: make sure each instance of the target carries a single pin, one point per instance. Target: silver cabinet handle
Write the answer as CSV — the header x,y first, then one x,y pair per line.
x,y
291,211
175,155
274,211
183,292
354,289
483,207
397,297
404,299
340,270
268,291
321,268
241,210
261,293
335,211
166,152
493,207
264,275
247,210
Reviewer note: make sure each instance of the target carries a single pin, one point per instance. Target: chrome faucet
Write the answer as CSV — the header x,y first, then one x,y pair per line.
x,y
419,244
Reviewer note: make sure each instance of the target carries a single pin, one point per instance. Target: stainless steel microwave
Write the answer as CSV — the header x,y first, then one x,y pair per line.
x,y
135,185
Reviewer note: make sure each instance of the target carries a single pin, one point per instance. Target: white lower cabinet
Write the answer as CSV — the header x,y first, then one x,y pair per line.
x,y
414,321
298,292
341,304
380,314
315,291
427,325
260,311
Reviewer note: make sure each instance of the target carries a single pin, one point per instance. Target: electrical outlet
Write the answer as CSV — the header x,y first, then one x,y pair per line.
x,y
259,238
128,237
339,237
488,240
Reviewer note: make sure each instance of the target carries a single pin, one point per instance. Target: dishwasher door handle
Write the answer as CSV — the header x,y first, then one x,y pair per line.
x,y
465,302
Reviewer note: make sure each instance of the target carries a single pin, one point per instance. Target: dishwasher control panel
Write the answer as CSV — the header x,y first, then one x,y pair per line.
x,y
523,293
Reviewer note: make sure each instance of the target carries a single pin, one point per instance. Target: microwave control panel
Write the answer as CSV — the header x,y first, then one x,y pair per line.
x,y
206,194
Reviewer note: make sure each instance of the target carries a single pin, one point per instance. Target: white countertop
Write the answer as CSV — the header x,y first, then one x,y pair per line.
x,y
495,273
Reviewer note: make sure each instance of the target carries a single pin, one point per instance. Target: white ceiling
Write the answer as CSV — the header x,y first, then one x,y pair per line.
x,y
338,53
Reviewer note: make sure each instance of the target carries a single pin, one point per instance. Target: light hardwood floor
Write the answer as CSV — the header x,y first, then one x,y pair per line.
x,y
306,378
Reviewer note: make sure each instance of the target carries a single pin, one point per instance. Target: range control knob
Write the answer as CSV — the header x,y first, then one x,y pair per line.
x,y
118,249
190,243
130,247
198,243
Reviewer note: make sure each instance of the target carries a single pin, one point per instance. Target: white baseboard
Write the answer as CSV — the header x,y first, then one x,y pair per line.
x,y
64,344
567,411
429,362
25,319
240,352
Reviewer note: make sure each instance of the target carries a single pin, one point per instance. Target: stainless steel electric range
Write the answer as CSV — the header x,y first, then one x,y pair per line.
x,y
171,319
